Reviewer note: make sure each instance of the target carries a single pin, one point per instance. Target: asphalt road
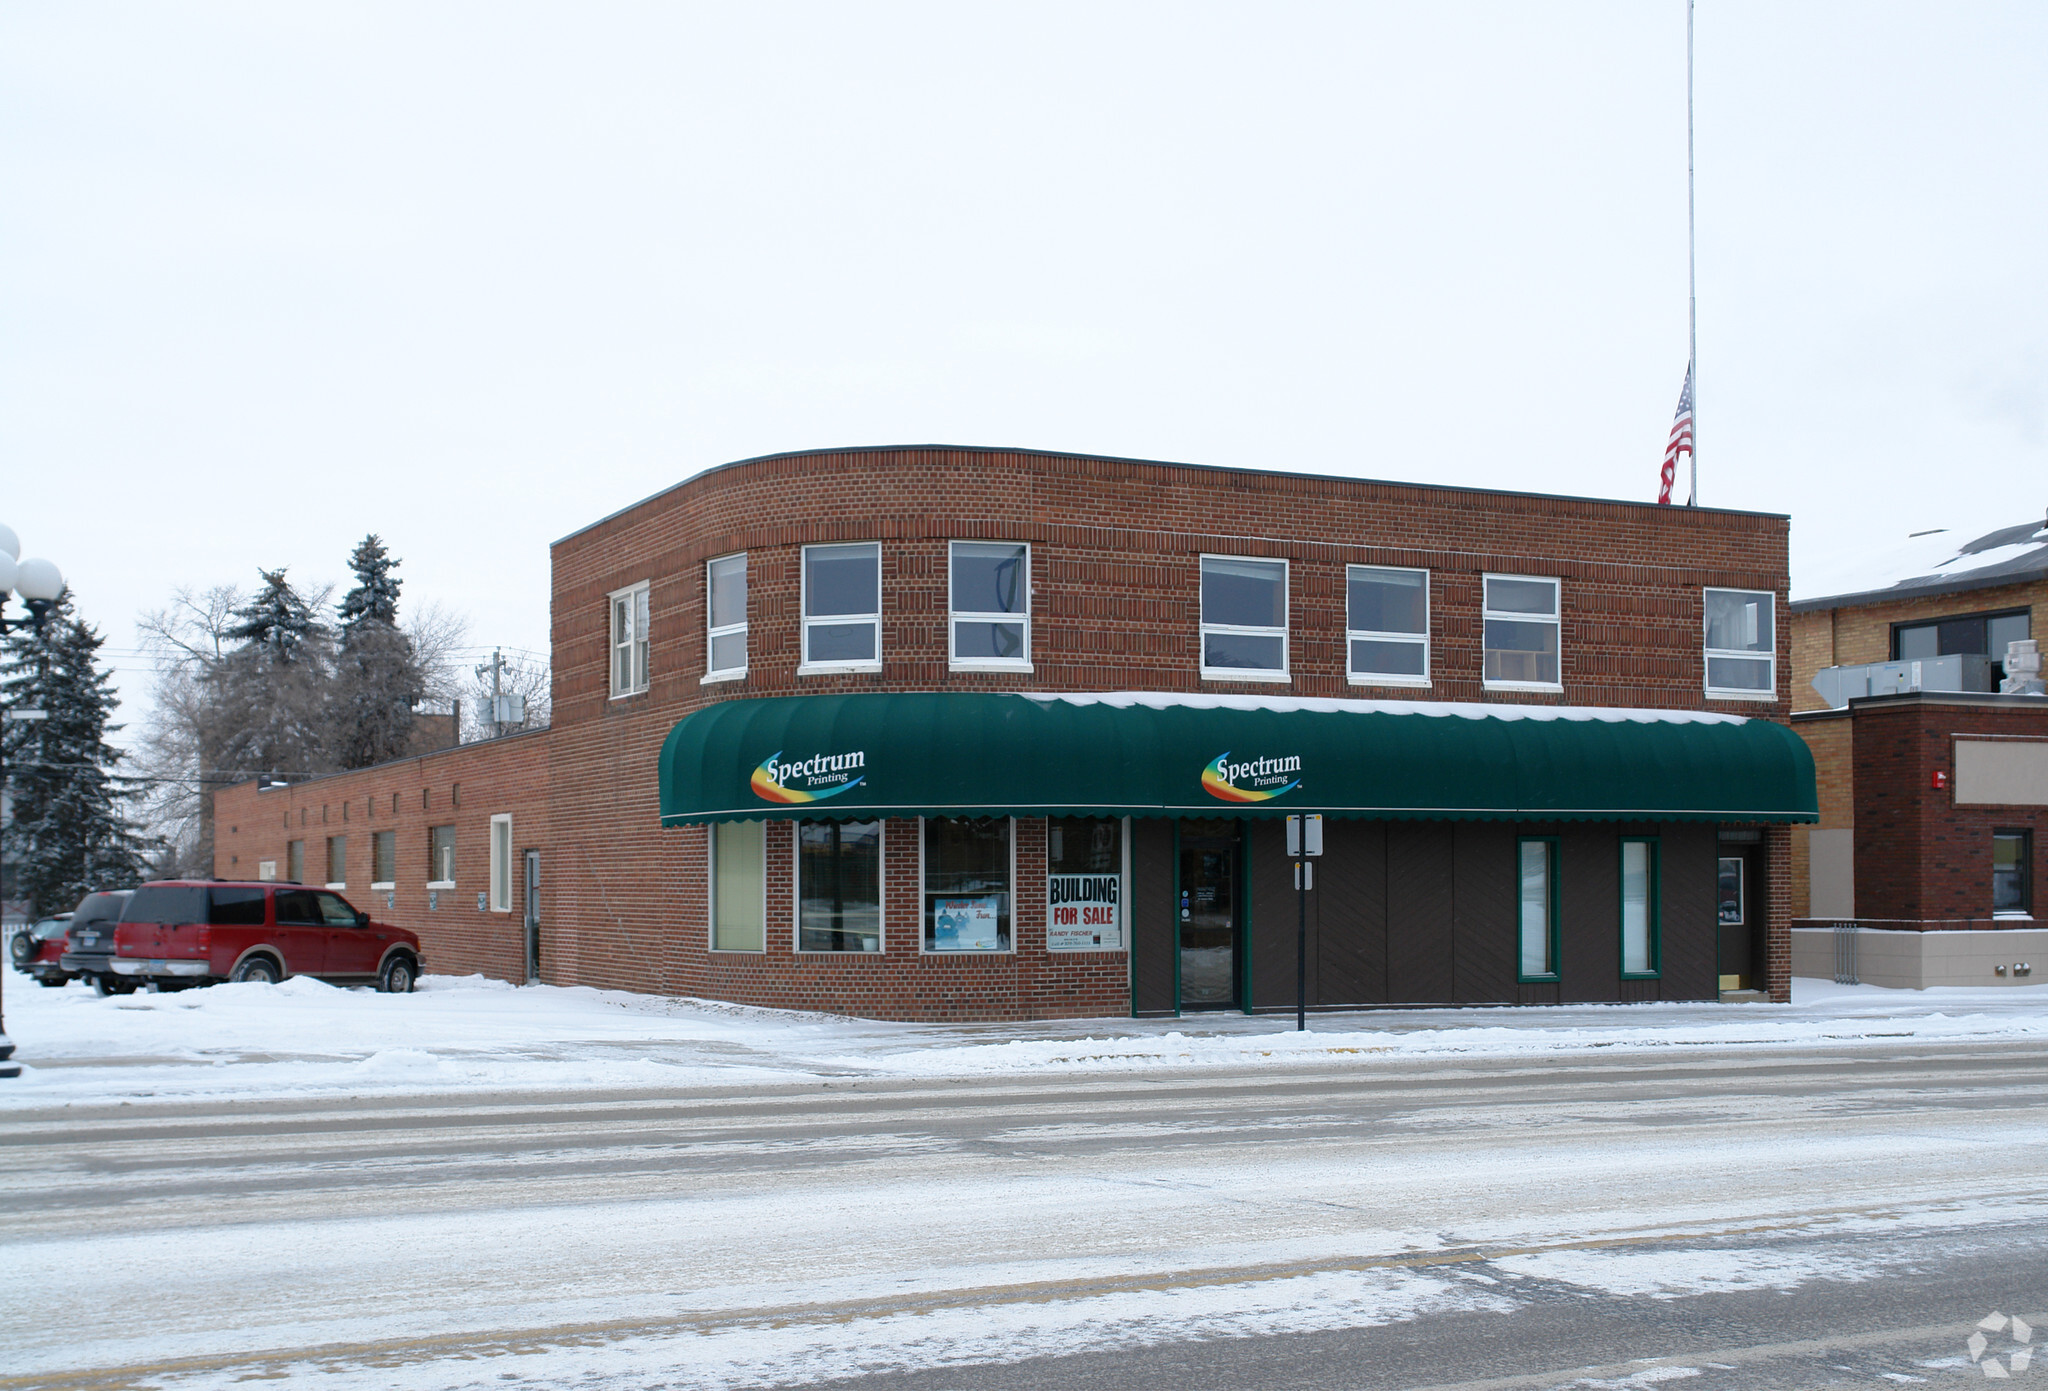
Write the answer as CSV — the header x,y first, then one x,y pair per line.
x,y
1801,1218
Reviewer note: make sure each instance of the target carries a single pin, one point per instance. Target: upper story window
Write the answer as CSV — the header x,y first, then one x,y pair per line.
x,y
629,640
725,609
1387,625
1244,619
1521,633
989,588
1742,644
843,607
1988,633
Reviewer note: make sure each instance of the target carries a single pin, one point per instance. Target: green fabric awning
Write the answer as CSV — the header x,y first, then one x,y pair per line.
x,y
1151,754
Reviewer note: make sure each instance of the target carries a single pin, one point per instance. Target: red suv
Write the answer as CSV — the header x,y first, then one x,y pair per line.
x,y
178,933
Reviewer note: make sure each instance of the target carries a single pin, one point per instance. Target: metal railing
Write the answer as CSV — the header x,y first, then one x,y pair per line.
x,y
1845,953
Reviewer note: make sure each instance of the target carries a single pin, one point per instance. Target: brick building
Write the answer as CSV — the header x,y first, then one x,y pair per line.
x,y
1931,760
947,733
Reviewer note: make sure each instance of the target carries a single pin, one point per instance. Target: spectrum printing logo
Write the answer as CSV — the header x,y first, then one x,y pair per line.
x,y
811,780
1254,780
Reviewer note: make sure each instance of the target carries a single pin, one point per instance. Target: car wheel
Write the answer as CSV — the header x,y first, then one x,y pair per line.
x,y
103,985
49,980
257,968
397,976
23,948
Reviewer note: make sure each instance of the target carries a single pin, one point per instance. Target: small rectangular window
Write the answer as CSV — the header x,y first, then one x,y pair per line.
x,y
1728,892
441,857
839,886
967,884
337,861
2012,855
1521,640
235,907
725,608
501,863
1639,908
1537,908
295,862
629,641
1244,619
1741,644
739,908
383,859
842,603
1387,625
1084,883
989,589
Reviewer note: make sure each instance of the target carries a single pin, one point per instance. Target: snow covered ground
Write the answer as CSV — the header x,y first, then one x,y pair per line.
x,y
306,1039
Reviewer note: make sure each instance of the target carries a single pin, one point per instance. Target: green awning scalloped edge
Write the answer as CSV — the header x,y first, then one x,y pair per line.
x,y
1148,754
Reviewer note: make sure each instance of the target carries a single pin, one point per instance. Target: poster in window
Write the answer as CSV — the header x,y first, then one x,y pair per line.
x,y
967,924
1082,913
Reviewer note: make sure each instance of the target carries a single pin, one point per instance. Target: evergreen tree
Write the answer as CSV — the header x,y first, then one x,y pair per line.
x,y
378,677
68,832
271,697
375,597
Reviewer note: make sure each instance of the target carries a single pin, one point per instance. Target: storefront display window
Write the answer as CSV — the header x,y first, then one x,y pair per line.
x,y
839,886
966,884
1084,883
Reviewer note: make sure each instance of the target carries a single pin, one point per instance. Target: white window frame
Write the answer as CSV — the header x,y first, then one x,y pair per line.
x,y
1010,950
1707,654
1555,618
711,890
634,651
1382,678
796,894
449,882
501,863
955,617
1285,675
807,667
712,634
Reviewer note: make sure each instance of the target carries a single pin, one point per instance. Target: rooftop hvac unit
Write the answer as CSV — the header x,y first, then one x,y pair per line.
x,y
1963,671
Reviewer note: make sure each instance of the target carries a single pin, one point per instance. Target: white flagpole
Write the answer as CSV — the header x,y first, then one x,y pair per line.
x,y
1691,272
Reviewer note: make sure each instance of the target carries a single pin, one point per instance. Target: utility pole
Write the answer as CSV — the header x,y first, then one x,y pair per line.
x,y
496,668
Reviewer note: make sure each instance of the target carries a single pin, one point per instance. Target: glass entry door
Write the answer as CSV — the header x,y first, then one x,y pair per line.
x,y
1208,914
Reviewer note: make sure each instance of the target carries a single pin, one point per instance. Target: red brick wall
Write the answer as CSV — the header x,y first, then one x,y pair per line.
x,y
1918,854
462,787
1115,564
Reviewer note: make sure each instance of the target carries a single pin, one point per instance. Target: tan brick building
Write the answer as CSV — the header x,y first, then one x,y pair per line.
x,y
1590,697
1933,781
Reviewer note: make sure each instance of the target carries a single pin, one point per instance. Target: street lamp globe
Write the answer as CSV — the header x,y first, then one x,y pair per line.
x,y
10,544
36,579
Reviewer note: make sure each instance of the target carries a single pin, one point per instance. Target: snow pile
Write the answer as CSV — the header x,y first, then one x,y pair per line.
x,y
304,1038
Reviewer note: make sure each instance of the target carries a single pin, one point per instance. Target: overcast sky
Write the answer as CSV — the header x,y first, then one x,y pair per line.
x,y
469,276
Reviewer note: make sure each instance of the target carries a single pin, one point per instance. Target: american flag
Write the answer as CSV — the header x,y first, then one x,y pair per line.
x,y
1681,439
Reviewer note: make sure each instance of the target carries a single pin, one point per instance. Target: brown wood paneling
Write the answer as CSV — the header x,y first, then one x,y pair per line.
x,y
1689,863
1271,877
1483,890
1350,926
1589,873
1419,912
1152,925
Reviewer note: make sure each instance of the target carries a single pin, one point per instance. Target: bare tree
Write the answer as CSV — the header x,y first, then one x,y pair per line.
x,y
438,636
177,756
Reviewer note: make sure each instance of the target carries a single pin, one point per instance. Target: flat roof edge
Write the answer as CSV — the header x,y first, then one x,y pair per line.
x,y
1862,598
1147,463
